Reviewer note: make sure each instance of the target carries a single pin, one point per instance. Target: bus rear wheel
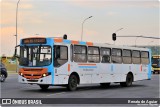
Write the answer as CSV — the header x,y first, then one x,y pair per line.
x,y
129,80
44,87
72,83
104,85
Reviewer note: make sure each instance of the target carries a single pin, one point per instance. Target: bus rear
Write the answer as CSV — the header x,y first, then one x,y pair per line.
x,y
156,63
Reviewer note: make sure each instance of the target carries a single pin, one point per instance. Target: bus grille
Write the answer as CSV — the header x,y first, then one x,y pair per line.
x,y
33,73
32,69
32,80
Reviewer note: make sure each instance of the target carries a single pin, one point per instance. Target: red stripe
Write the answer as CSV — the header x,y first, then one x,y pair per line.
x,y
86,64
141,68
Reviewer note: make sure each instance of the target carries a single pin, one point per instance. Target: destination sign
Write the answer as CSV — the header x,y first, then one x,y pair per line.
x,y
156,56
34,41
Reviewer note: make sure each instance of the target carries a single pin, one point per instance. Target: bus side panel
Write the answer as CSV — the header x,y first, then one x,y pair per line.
x,y
84,71
96,74
141,72
125,70
105,73
144,74
117,70
137,72
149,65
99,73
61,74
56,79
83,79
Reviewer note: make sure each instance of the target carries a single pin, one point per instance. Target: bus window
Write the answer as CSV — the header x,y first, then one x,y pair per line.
x,y
80,53
93,54
116,56
71,52
127,56
156,63
144,57
60,55
136,57
105,55
35,56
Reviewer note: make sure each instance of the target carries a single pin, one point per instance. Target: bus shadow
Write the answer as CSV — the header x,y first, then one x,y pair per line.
x,y
58,89
111,87
49,90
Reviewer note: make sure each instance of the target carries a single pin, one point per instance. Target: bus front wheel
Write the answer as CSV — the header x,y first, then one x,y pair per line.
x,y
44,87
72,83
129,80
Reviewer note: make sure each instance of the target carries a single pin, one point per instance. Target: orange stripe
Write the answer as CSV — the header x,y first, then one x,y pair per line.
x,y
89,43
34,37
75,42
69,67
141,67
36,72
86,64
58,40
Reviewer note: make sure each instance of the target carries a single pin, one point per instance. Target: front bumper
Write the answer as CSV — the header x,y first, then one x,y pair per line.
x,y
43,80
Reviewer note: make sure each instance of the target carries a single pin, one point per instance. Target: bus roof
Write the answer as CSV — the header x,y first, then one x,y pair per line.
x,y
60,40
64,41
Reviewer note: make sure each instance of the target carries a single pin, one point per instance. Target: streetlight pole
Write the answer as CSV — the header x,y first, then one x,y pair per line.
x,y
82,26
118,30
16,28
16,20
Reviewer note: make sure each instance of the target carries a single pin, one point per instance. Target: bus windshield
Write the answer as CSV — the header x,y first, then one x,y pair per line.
x,y
156,62
35,56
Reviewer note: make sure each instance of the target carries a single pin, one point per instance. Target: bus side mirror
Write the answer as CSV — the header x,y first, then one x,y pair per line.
x,y
15,52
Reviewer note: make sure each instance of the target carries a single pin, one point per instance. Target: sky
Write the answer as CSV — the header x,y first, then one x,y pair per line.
x,y
54,18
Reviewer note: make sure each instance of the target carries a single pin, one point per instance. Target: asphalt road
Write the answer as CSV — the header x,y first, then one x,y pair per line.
x,y
140,89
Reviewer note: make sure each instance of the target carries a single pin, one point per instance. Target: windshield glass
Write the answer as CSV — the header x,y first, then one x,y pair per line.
x,y
156,62
35,56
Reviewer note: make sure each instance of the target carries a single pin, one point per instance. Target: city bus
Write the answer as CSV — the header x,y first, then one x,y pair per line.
x,y
156,63
62,62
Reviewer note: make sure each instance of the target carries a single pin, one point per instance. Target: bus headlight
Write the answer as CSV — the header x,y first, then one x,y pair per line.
x,y
44,75
21,74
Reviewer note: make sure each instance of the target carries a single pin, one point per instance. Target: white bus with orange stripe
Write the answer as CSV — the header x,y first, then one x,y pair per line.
x,y
57,61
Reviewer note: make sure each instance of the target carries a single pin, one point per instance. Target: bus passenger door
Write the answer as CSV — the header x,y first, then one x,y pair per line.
x,y
61,64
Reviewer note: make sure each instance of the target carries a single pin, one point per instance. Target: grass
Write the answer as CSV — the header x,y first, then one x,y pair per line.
x,y
10,67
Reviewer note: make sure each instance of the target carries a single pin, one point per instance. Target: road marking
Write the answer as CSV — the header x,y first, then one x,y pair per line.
x,y
56,93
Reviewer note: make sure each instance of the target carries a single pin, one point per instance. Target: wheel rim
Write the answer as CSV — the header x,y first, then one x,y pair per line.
x,y
2,77
73,83
129,80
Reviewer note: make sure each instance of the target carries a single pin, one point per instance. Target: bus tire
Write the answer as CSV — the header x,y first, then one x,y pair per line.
x,y
105,85
129,80
44,87
72,83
